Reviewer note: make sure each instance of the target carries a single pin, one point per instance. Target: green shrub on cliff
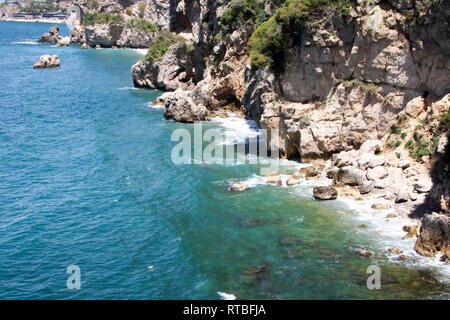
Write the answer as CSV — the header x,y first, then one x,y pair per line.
x,y
283,30
242,13
93,18
160,45
444,122
143,25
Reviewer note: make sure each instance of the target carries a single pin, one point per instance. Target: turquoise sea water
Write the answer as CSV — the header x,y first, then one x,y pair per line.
x,y
86,179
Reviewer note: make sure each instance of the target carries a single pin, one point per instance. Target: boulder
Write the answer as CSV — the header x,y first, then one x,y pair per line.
x,y
332,173
377,173
351,176
274,179
395,250
293,180
325,193
345,158
85,46
239,186
381,206
369,160
347,191
366,187
434,235
403,164
308,172
363,252
423,184
404,258
180,107
401,195
47,61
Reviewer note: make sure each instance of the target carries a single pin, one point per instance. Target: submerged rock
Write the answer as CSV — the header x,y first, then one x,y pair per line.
x,y
274,179
290,240
363,252
239,186
404,258
47,61
325,193
259,272
395,250
250,222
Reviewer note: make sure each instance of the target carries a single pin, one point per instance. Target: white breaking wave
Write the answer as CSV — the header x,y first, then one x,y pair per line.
x,y
226,296
130,88
25,42
141,51
157,106
236,129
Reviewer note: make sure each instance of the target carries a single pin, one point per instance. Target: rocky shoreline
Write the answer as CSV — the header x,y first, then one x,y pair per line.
x,y
362,94
374,127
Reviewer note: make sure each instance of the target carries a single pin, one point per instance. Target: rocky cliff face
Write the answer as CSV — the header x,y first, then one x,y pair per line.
x,y
351,77
374,80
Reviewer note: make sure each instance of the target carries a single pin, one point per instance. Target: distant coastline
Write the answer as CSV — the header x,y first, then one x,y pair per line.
x,y
34,20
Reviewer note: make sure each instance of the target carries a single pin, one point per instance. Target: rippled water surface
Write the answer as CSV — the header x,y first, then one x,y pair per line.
x,y
86,179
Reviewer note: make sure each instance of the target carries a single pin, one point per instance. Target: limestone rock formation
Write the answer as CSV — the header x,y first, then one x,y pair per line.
x,y
132,37
47,61
325,193
434,235
52,36
103,35
180,107
349,79
63,42
77,35
175,70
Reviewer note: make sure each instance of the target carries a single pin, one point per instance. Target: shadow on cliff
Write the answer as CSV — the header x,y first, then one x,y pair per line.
x,y
440,173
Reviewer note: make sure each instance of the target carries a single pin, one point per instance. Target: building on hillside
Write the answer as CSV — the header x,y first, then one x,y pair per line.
x,y
75,15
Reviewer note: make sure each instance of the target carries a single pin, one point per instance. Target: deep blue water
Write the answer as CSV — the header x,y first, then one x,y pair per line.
x,y
86,179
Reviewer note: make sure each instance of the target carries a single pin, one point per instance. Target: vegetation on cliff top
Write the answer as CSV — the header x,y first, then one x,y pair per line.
x,y
160,45
242,13
283,30
93,18
142,25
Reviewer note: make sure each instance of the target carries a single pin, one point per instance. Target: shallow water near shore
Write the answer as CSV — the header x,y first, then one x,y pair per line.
x,y
86,179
